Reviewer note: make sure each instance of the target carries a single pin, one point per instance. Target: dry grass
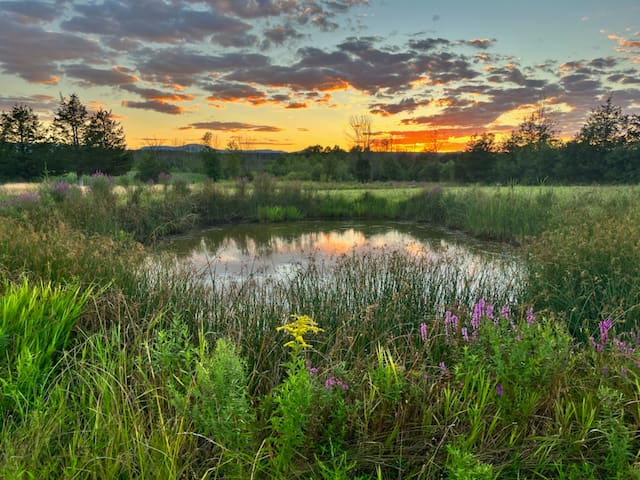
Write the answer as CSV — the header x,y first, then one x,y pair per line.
x,y
18,188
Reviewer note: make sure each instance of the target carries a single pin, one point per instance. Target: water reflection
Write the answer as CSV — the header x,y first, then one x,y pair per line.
x,y
237,252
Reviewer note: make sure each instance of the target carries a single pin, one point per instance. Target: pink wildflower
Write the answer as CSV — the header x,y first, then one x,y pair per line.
x,y
423,331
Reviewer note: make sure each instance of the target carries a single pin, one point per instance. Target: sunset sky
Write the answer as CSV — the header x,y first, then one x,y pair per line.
x,y
286,74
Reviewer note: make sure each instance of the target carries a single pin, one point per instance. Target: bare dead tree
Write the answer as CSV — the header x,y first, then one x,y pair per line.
x,y
360,134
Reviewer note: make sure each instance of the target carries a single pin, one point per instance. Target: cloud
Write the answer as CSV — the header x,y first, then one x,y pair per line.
x,y
156,100
429,43
281,34
405,105
155,105
254,9
160,22
581,82
477,114
309,12
296,105
34,53
510,74
625,43
89,76
30,12
233,92
39,103
481,43
234,127
187,67
624,78
159,95
358,63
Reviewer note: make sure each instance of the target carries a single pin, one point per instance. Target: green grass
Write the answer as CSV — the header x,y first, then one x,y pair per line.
x,y
110,370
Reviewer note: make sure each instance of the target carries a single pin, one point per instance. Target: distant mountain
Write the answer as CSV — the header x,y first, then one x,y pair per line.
x,y
190,147
195,148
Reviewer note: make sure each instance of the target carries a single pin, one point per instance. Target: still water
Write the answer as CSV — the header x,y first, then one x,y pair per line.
x,y
267,251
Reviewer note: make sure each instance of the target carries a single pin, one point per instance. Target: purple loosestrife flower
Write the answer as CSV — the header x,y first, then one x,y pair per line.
x,y
499,390
504,312
623,347
604,327
465,334
423,331
488,311
28,197
531,319
450,321
478,312
443,369
475,322
604,330
312,370
334,382
164,177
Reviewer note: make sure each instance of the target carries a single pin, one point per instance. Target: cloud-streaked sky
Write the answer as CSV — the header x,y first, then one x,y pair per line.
x,y
286,74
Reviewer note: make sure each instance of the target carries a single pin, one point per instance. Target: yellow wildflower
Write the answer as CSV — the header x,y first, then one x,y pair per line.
x,y
298,328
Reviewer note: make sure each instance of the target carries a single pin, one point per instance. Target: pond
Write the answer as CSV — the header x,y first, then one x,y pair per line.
x,y
235,253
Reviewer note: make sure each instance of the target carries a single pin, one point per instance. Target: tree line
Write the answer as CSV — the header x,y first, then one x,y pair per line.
x,y
77,141
605,150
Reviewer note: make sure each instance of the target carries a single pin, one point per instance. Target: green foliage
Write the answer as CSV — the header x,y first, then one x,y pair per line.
x,y
525,360
101,186
463,465
587,268
35,326
212,164
150,166
617,435
138,393
54,251
293,408
220,406
338,467
279,214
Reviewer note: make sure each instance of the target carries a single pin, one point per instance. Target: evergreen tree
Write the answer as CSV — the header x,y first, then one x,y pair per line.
x,y
106,144
21,128
69,122
606,127
21,148
103,131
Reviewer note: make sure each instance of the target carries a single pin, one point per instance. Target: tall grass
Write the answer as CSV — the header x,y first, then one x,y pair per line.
x,y
35,326
588,268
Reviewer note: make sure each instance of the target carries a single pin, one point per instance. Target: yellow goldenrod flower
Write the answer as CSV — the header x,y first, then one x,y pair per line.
x,y
298,328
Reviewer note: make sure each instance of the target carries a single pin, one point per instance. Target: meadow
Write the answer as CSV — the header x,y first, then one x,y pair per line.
x,y
112,370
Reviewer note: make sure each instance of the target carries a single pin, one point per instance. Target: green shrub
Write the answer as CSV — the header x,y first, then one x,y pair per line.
x,y
463,465
279,214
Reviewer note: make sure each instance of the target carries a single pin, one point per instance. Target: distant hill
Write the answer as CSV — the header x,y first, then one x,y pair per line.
x,y
196,147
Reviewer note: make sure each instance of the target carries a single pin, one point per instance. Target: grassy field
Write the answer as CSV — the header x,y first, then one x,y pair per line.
x,y
109,370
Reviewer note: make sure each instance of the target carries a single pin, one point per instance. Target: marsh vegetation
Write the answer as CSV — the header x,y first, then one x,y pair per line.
x,y
374,366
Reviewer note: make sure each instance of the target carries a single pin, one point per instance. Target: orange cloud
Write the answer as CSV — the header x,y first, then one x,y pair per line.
x,y
53,80
623,42
296,105
172,97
